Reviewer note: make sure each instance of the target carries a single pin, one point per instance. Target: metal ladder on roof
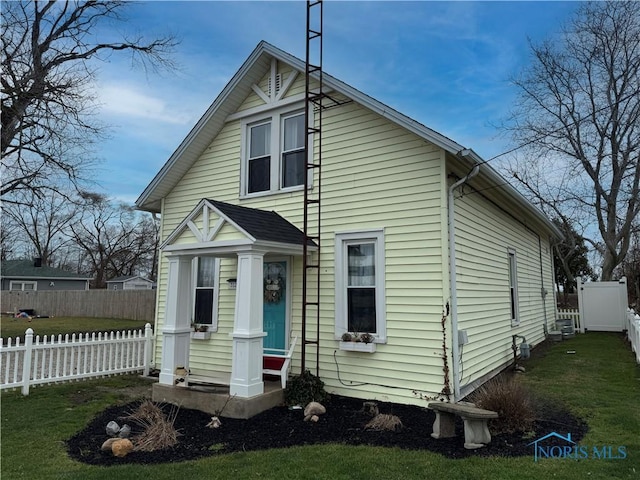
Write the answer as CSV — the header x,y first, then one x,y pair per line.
x,y
312,168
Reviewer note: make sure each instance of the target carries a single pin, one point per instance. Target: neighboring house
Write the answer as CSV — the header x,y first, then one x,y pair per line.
x,y
231,204
130,282
31,275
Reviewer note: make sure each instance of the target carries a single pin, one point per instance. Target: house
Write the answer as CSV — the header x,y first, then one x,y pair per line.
x,y
423,245
130,282
32,275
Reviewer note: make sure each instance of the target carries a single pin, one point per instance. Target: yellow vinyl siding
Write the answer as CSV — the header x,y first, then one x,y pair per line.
x,y
377,175
484,233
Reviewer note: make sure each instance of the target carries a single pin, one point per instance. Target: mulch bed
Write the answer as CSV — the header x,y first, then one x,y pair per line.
x,y
282,427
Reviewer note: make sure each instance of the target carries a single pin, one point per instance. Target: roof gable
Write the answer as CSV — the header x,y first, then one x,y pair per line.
x,y
233,95
129,278
214,221
241,85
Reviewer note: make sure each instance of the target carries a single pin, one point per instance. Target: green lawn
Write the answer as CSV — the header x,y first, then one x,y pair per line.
x,y
599,382
15,327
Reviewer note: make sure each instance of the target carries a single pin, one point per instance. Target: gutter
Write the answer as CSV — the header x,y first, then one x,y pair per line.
x,y
455,348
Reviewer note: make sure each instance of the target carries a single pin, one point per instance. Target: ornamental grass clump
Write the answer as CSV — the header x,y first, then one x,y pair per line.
x,y
158,430
385,422
511,400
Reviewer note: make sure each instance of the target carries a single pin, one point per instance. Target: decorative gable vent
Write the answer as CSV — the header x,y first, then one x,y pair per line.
x,y
278,84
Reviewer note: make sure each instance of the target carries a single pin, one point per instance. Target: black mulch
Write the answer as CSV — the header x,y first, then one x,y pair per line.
x,y
281,427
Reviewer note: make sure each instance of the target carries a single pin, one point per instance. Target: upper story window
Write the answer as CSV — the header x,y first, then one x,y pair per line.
x,y
274,154
293,154
259,158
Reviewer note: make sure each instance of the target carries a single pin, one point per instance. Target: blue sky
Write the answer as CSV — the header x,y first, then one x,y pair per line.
x,y
445,64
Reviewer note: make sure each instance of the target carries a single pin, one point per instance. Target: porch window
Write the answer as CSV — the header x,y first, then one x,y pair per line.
x,y
513,287
360,295
274,153
207,283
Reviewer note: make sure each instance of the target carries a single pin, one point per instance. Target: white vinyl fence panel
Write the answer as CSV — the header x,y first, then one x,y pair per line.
x,y
572,314
603,305
59,359
633,332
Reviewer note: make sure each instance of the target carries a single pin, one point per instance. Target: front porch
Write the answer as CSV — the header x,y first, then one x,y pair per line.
x,y
216,400
219,230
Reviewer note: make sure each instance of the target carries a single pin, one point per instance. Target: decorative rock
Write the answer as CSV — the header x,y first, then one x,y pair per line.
x,y
214,423
112,428
370,408
314,408
106,446
314,418
122,447
125,431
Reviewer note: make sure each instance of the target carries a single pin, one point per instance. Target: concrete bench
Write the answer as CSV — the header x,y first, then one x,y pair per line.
x,y
476,430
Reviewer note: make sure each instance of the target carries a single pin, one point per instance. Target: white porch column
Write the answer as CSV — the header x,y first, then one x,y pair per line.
x,y
177,320
246,367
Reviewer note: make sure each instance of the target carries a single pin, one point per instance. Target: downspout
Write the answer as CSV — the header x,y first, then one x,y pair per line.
x,y
452,279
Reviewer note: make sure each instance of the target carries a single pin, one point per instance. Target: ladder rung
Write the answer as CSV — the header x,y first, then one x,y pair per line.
x,y
313,304
311,342
312,266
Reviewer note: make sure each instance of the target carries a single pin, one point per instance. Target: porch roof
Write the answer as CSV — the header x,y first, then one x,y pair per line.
x,y
246,228
262,225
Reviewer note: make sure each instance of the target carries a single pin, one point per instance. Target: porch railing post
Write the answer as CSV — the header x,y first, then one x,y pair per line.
x,y
147,348
26,364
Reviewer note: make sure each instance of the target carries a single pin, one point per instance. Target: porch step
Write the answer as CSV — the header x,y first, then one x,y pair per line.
x,y
212,399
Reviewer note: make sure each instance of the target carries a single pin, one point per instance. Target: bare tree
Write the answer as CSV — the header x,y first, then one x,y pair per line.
x,y
114,239
48,108
579,115
42,224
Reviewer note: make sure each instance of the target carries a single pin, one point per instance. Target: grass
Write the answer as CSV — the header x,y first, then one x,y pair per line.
x,y
15,327
600,382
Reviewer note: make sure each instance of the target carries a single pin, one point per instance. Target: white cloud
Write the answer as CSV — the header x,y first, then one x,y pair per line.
x,y
124,100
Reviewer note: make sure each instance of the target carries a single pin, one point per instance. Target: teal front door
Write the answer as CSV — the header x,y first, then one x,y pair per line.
x,y
275,304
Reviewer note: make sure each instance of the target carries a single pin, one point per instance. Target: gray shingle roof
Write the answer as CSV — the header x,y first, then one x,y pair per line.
x,y
261,224
27,269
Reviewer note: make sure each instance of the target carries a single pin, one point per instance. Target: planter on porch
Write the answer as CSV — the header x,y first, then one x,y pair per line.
x,y
200,335
358,347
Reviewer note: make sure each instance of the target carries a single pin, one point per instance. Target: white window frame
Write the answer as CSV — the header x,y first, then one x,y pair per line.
x,y
276,118
342,241
22,283
512,271
213,327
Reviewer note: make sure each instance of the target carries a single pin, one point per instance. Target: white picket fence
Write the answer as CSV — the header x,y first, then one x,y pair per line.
x,y
573,314
633,332
60,359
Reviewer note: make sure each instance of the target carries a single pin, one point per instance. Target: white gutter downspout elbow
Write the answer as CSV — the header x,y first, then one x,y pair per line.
x,y
453,282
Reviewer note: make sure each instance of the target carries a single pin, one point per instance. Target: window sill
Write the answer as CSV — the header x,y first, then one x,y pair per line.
x,y
267,193
201,335
358,347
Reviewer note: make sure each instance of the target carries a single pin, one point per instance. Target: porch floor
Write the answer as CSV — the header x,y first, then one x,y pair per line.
x,y
211,398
